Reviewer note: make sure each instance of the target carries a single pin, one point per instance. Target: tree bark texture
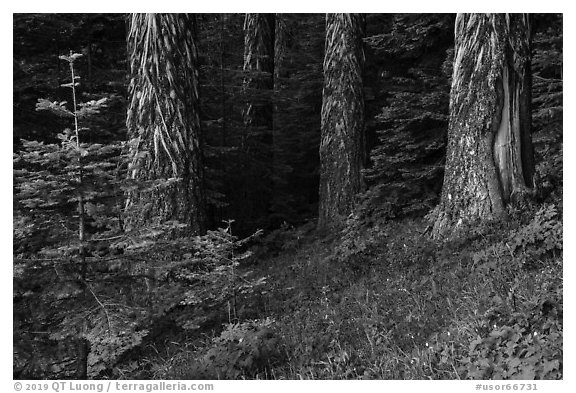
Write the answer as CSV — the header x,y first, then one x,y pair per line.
x,y
163,122
489,161
342,128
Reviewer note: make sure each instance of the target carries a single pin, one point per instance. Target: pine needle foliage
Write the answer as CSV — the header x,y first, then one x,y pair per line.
x,y
413,55
86,291
63,195
547,104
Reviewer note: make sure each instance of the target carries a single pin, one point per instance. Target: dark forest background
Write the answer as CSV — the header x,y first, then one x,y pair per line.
x,y
405,129
378,299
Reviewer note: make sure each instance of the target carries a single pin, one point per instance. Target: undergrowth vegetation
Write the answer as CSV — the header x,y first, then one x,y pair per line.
x,y
386,302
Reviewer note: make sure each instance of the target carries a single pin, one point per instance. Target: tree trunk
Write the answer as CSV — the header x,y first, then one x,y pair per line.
x,y
342,129
163,122
223,93
82,352
279,164
258,140
259,65
489,161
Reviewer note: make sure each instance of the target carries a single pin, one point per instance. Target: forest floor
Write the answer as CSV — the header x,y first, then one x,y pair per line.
x,y
384,301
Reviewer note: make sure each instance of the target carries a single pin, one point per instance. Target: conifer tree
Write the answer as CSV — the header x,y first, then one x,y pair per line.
x,y
489,160
342,130
163,121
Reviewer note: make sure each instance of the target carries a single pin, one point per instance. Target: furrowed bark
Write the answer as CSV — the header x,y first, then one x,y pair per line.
x,y
163,122
489,161
342,129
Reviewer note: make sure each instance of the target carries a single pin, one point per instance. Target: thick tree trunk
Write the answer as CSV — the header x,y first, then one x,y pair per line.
x,y
489,161
258,140
342,129
163,121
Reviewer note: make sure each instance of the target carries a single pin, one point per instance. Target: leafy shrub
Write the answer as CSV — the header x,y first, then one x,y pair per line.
x,y
517,351
515,326
540,238
529,244
426,310
284,239
211,275
242,350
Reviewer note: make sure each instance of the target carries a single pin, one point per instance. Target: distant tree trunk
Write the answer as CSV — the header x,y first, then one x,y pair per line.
x,y
259,40
258,141
279,48
490,161
82,351
342,129
279,164
223,91
163,121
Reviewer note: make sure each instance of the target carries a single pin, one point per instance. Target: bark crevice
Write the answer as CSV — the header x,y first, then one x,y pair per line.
x,y
342,128
489,143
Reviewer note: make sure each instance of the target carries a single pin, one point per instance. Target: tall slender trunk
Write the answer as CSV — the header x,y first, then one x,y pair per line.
x,y
342,129
258,114
259,37
82,352
223,91
278,162
490,161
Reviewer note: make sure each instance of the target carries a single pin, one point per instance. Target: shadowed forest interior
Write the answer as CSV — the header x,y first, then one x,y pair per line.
x,y
288,196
